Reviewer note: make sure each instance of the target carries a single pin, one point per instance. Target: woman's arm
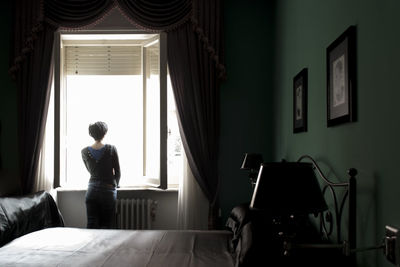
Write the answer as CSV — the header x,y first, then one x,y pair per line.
x,y
117,170
84,158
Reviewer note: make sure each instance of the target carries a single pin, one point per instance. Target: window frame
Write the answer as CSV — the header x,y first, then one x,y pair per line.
x,y
162,182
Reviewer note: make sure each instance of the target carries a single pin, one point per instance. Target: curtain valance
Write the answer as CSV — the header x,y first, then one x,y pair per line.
x,y
151,14
156,15
73,13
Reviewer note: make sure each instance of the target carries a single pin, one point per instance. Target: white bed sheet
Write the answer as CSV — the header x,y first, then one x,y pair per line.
x,y
87,247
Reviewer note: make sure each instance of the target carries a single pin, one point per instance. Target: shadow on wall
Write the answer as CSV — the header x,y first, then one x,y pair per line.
x,y
9,180
367,215
9,183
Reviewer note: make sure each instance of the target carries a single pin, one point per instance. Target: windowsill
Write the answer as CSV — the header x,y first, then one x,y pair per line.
x,y
124,188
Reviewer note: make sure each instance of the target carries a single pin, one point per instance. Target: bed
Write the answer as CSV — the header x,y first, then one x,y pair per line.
x,y
32,233
84,247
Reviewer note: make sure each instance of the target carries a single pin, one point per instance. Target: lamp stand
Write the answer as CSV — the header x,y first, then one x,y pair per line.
x,y
253,177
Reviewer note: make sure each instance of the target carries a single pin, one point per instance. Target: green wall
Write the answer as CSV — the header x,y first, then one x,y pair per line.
x,y
303,30
246,96
9,181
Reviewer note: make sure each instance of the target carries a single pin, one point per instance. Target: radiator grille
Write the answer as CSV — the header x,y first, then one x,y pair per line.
x,y
135,213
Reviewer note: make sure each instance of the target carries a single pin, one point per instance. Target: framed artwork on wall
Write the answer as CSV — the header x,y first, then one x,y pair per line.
x,y
341,70
300,101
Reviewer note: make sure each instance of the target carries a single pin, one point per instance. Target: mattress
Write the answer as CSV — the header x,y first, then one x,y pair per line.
x,y
63,246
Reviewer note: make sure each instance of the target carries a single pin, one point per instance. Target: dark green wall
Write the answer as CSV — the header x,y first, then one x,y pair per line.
x,y
303,30
8,110
246,96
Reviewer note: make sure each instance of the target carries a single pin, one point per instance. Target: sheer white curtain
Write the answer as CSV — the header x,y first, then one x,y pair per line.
x,y
45,172
43,180
192,203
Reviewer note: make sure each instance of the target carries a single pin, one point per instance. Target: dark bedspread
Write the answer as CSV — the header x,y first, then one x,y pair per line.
x,y
87,247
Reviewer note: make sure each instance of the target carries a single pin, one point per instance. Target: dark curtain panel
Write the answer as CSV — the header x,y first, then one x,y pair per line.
x,y
30,68
27,26
32,81
196,98
195,70
194,53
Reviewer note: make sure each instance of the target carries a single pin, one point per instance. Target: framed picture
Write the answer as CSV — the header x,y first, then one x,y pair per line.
x,y
300,101
341,69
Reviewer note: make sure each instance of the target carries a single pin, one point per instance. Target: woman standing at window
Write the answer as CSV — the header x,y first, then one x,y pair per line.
x,y
101,160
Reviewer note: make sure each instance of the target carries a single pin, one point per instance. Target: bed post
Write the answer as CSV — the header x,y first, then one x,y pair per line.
x,y
352,215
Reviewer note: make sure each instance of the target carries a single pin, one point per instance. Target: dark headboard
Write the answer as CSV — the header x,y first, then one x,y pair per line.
x,y
332,219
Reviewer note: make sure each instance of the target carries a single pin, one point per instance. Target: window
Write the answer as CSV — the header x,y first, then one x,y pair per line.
x,y
120,79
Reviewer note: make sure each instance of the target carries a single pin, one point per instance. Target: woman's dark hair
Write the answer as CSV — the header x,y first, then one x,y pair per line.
x,y
98,130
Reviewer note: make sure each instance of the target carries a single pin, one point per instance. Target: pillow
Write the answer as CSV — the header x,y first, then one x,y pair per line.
x,y
238,217
25,214
251,234
236,222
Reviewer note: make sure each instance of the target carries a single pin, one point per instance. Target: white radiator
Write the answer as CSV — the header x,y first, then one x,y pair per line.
x,y
135,213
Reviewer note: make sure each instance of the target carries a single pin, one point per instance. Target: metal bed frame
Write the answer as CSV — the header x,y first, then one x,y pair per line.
x,y
348,245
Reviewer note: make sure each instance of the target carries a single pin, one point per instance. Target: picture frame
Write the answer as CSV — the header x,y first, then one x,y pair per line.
x,y
341,80
300,84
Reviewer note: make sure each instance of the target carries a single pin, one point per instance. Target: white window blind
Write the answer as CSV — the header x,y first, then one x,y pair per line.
x,y
103,60
153,60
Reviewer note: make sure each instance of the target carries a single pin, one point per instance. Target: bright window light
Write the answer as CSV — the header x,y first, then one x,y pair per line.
x,y
119,79
116,100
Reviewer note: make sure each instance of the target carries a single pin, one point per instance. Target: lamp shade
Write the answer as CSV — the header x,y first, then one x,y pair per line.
x,y
288,188
251,161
